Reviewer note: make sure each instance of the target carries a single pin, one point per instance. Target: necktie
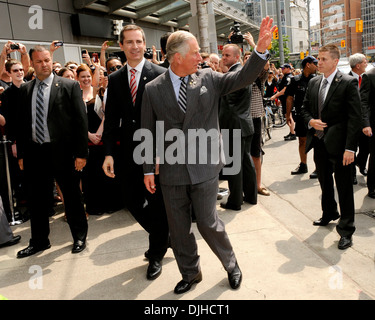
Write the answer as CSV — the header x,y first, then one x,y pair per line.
x,y
182,95
359,81
321,99
133,85
39,114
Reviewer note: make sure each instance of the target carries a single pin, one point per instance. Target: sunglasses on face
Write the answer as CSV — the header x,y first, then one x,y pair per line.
x,y
114,68
17,70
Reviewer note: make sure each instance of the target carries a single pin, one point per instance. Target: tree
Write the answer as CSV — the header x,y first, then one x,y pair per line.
x,y
275,52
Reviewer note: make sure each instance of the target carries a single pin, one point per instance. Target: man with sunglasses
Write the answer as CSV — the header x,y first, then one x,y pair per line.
x,y
113,64
295,93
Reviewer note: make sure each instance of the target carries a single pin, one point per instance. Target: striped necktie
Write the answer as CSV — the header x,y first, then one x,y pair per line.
x,y
133,85
321,98
182,95
40,114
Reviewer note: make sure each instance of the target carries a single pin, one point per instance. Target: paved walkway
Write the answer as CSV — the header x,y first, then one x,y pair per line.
x,y
282,255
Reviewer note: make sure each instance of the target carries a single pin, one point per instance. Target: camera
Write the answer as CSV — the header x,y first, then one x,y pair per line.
x,y
148,53
14,46
236,37
204,65
59,44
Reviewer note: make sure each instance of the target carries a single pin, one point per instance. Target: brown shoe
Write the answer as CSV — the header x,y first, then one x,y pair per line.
x,y
264,192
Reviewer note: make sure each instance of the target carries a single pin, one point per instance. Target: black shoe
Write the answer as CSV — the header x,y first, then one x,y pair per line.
x,y
288,135
371,194
291,137
302,168
314,175
78,246
355,180
154,269
184,286
235,277
11,242
230,206
363,171
30,250
345,242
324,222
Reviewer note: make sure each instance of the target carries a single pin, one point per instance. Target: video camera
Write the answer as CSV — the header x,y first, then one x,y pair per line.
x,y
236,37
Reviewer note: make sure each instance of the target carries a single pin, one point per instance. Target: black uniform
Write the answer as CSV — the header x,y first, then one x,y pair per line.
x,y
285,81
297,89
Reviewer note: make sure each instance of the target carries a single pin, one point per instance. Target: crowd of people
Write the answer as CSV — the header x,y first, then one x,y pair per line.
x,y
72,132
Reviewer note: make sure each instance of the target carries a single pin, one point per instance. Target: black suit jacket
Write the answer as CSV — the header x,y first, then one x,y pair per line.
x,y
119,109
235,109
66,119
341,111
368,99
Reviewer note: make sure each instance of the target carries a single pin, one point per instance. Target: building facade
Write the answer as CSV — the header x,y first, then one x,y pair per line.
x,y
338,25
368,17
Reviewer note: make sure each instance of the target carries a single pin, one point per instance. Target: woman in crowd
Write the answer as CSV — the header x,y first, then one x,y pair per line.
x,y
66,73
101,193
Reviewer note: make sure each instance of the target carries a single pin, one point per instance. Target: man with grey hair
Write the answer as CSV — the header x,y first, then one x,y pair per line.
x,y
190,101
358,63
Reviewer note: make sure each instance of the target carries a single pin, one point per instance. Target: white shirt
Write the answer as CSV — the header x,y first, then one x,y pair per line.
x,y
329,79
139,68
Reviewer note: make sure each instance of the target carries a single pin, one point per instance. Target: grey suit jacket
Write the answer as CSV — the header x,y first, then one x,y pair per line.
x,y
234,110
195,160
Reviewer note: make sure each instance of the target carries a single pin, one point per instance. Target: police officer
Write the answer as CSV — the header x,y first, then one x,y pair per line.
x,y
287,76
295,93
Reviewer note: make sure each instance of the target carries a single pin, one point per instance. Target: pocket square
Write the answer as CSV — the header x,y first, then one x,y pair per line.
x,y
203,90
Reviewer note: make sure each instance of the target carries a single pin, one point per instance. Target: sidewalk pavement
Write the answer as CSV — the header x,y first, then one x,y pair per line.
x,y
281,254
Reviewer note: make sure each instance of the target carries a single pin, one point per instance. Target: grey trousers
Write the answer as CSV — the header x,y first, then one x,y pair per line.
x,y
179,201
6,233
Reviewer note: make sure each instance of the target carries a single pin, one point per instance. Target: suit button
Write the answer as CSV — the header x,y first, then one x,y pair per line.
x,y
134,121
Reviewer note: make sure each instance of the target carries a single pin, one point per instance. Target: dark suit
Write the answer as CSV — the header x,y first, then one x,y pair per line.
x,y
235,114
363,147
67,127
147,209
341,111
193,182
368,105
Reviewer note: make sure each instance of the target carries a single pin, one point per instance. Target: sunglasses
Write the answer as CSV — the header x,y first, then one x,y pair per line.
x,y
114,68
72,67
17,70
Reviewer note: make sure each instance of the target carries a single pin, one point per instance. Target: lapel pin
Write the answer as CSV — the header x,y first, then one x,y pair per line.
x,y
144,78
56,84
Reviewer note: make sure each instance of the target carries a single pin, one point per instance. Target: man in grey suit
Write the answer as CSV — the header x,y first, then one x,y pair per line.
x,y
184,101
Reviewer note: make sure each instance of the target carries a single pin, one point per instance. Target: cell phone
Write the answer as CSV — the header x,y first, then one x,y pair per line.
x,y
110,43
95,57
84,51
14,46
59,44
